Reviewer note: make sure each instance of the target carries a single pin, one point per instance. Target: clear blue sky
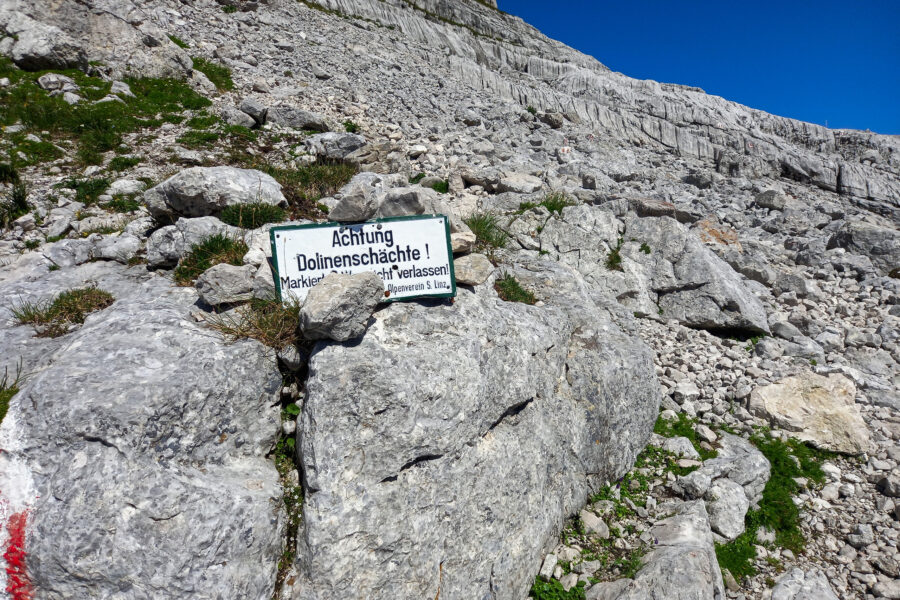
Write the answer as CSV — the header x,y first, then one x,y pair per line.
x,y
815,61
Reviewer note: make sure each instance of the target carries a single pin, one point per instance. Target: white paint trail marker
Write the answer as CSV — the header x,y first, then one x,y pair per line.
x,y
411,254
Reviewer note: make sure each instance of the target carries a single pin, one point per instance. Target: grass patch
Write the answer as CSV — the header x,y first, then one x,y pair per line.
x,y
93,128
614,258
229,9
54,318
122,204
251,216
198,139
14,205
214,250
645,248
267,320
9,388
350,126
219,75
417,178
202,121
123,163
486,228
553,590
86,190
178,41
509,289
777,511
683,427
304,187
555,202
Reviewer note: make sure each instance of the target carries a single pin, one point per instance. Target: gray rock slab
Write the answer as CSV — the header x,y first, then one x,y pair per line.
x,y
226,284
339,307
798,584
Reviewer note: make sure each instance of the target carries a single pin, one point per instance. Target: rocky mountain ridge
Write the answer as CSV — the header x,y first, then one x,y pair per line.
x,y
671,251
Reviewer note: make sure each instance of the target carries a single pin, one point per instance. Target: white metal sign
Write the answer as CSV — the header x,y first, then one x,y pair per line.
x,y
411,254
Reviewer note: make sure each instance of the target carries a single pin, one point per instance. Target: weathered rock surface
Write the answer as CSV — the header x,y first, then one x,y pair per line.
x,y
167,245
155,456
497,421
339,307
202,191
472,269
226,284
800,585
682,565
333,145
821,410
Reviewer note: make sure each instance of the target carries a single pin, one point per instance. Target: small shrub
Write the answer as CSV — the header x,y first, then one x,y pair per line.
x,y
531,109
123,163
645,248
32,244
178,42
614,258
488,234
213,251
219,75
14,205
54,318
509,289
229,9
350,126
553,590
267,320
251,216
441,187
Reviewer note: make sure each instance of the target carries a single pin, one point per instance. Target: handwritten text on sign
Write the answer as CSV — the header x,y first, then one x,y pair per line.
x,y
411,254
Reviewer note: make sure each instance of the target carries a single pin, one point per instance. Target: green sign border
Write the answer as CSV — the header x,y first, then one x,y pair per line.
x,y
451,294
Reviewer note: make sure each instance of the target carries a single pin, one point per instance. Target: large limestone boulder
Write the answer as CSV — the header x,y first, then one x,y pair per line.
x,y
136,451
41,46
202,191
798,584
880,244
815,408
444,450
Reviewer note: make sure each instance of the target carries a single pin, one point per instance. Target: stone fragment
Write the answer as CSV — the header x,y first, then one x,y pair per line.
x,y
815,408
201,191
472,269
296,118
727,506
339,306
520,183
334,145
226,284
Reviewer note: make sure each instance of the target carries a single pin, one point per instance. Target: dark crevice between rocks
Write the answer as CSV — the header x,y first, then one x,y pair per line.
x,y
511,412
416,461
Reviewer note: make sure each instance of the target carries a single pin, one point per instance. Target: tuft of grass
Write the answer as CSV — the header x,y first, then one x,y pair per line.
x,y
555,202
417,178
531,109
178,41
486,228
645,248
122,204
614,258
229,9
8,173
14,205
350,126
86,190
202,121
251,216
214,250
54,318
219,75
553,590
510,290
9,388
268,320
122,163
198,139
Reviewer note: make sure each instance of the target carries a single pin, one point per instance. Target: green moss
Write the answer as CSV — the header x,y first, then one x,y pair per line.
x,y
441,187
214,250
509,289
219,75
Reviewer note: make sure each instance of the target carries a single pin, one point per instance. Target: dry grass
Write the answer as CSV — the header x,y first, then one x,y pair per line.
x,y
55,318
266,320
